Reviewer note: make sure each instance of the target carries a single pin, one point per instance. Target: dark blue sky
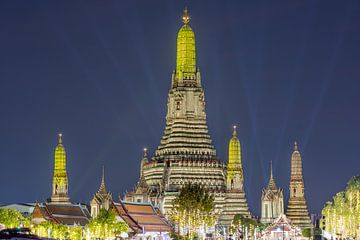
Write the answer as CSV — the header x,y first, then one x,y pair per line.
x,y
99,72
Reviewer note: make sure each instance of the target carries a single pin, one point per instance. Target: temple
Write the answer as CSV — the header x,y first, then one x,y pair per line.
x,y
297,210
272,201
102,198
186,153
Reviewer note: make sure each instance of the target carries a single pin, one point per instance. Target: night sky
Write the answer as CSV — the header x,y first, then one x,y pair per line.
x,y
99,72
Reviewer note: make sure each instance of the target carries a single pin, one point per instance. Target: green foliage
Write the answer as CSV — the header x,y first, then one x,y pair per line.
x,y
106,225
240,223
342,215
58,231
12,218
317,232
193,207
307,232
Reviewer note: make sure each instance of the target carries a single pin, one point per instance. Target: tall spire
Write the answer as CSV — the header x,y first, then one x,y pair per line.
x,y
297,208
102,188
235,172
186,131
60,180
272,184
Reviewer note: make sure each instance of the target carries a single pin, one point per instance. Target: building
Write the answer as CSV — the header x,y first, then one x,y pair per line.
x,y
297,210
281,229
24,208
60,210
186,153
143,220
101,199
272,201
64,214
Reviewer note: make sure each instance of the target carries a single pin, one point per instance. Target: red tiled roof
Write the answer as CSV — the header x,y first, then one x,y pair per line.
x,y
144,215
137,208
67,214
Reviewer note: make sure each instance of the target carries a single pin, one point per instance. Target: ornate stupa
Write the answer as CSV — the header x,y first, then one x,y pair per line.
x,y
60,179
272,201
297,209
186,153
235,199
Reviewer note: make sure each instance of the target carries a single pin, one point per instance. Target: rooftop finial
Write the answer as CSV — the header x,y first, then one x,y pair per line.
x,y
271,170
60,137
234,131
185,17
102,185
145,152
295,146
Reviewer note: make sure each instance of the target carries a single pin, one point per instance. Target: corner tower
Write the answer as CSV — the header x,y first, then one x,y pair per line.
x,y
297,209
235,178
235,198
60,192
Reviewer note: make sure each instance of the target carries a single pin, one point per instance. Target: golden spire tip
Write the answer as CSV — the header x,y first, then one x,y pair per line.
x,y
145,152
60,137
186,17
234,131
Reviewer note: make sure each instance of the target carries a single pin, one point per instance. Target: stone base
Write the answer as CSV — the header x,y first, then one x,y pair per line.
x,y
235,203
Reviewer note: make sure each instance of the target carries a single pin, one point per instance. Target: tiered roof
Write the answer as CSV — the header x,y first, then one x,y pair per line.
x,y
66,214
142,217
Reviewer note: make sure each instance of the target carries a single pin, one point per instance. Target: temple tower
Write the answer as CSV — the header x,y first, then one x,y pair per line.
x,y
60,180
235,199
102,198
186,153
297,209
186,133
272,201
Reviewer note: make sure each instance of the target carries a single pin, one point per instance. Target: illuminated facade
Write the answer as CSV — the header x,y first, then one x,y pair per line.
x,y
60,179
272,201
186,153
297,209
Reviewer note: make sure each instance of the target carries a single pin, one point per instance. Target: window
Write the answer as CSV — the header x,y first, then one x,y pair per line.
x,y
178,105
266,210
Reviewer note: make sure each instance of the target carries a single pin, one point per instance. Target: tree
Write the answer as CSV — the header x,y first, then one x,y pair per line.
x,y
193,208
106,225
241,225
12,218
57,231
342,215
306,232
